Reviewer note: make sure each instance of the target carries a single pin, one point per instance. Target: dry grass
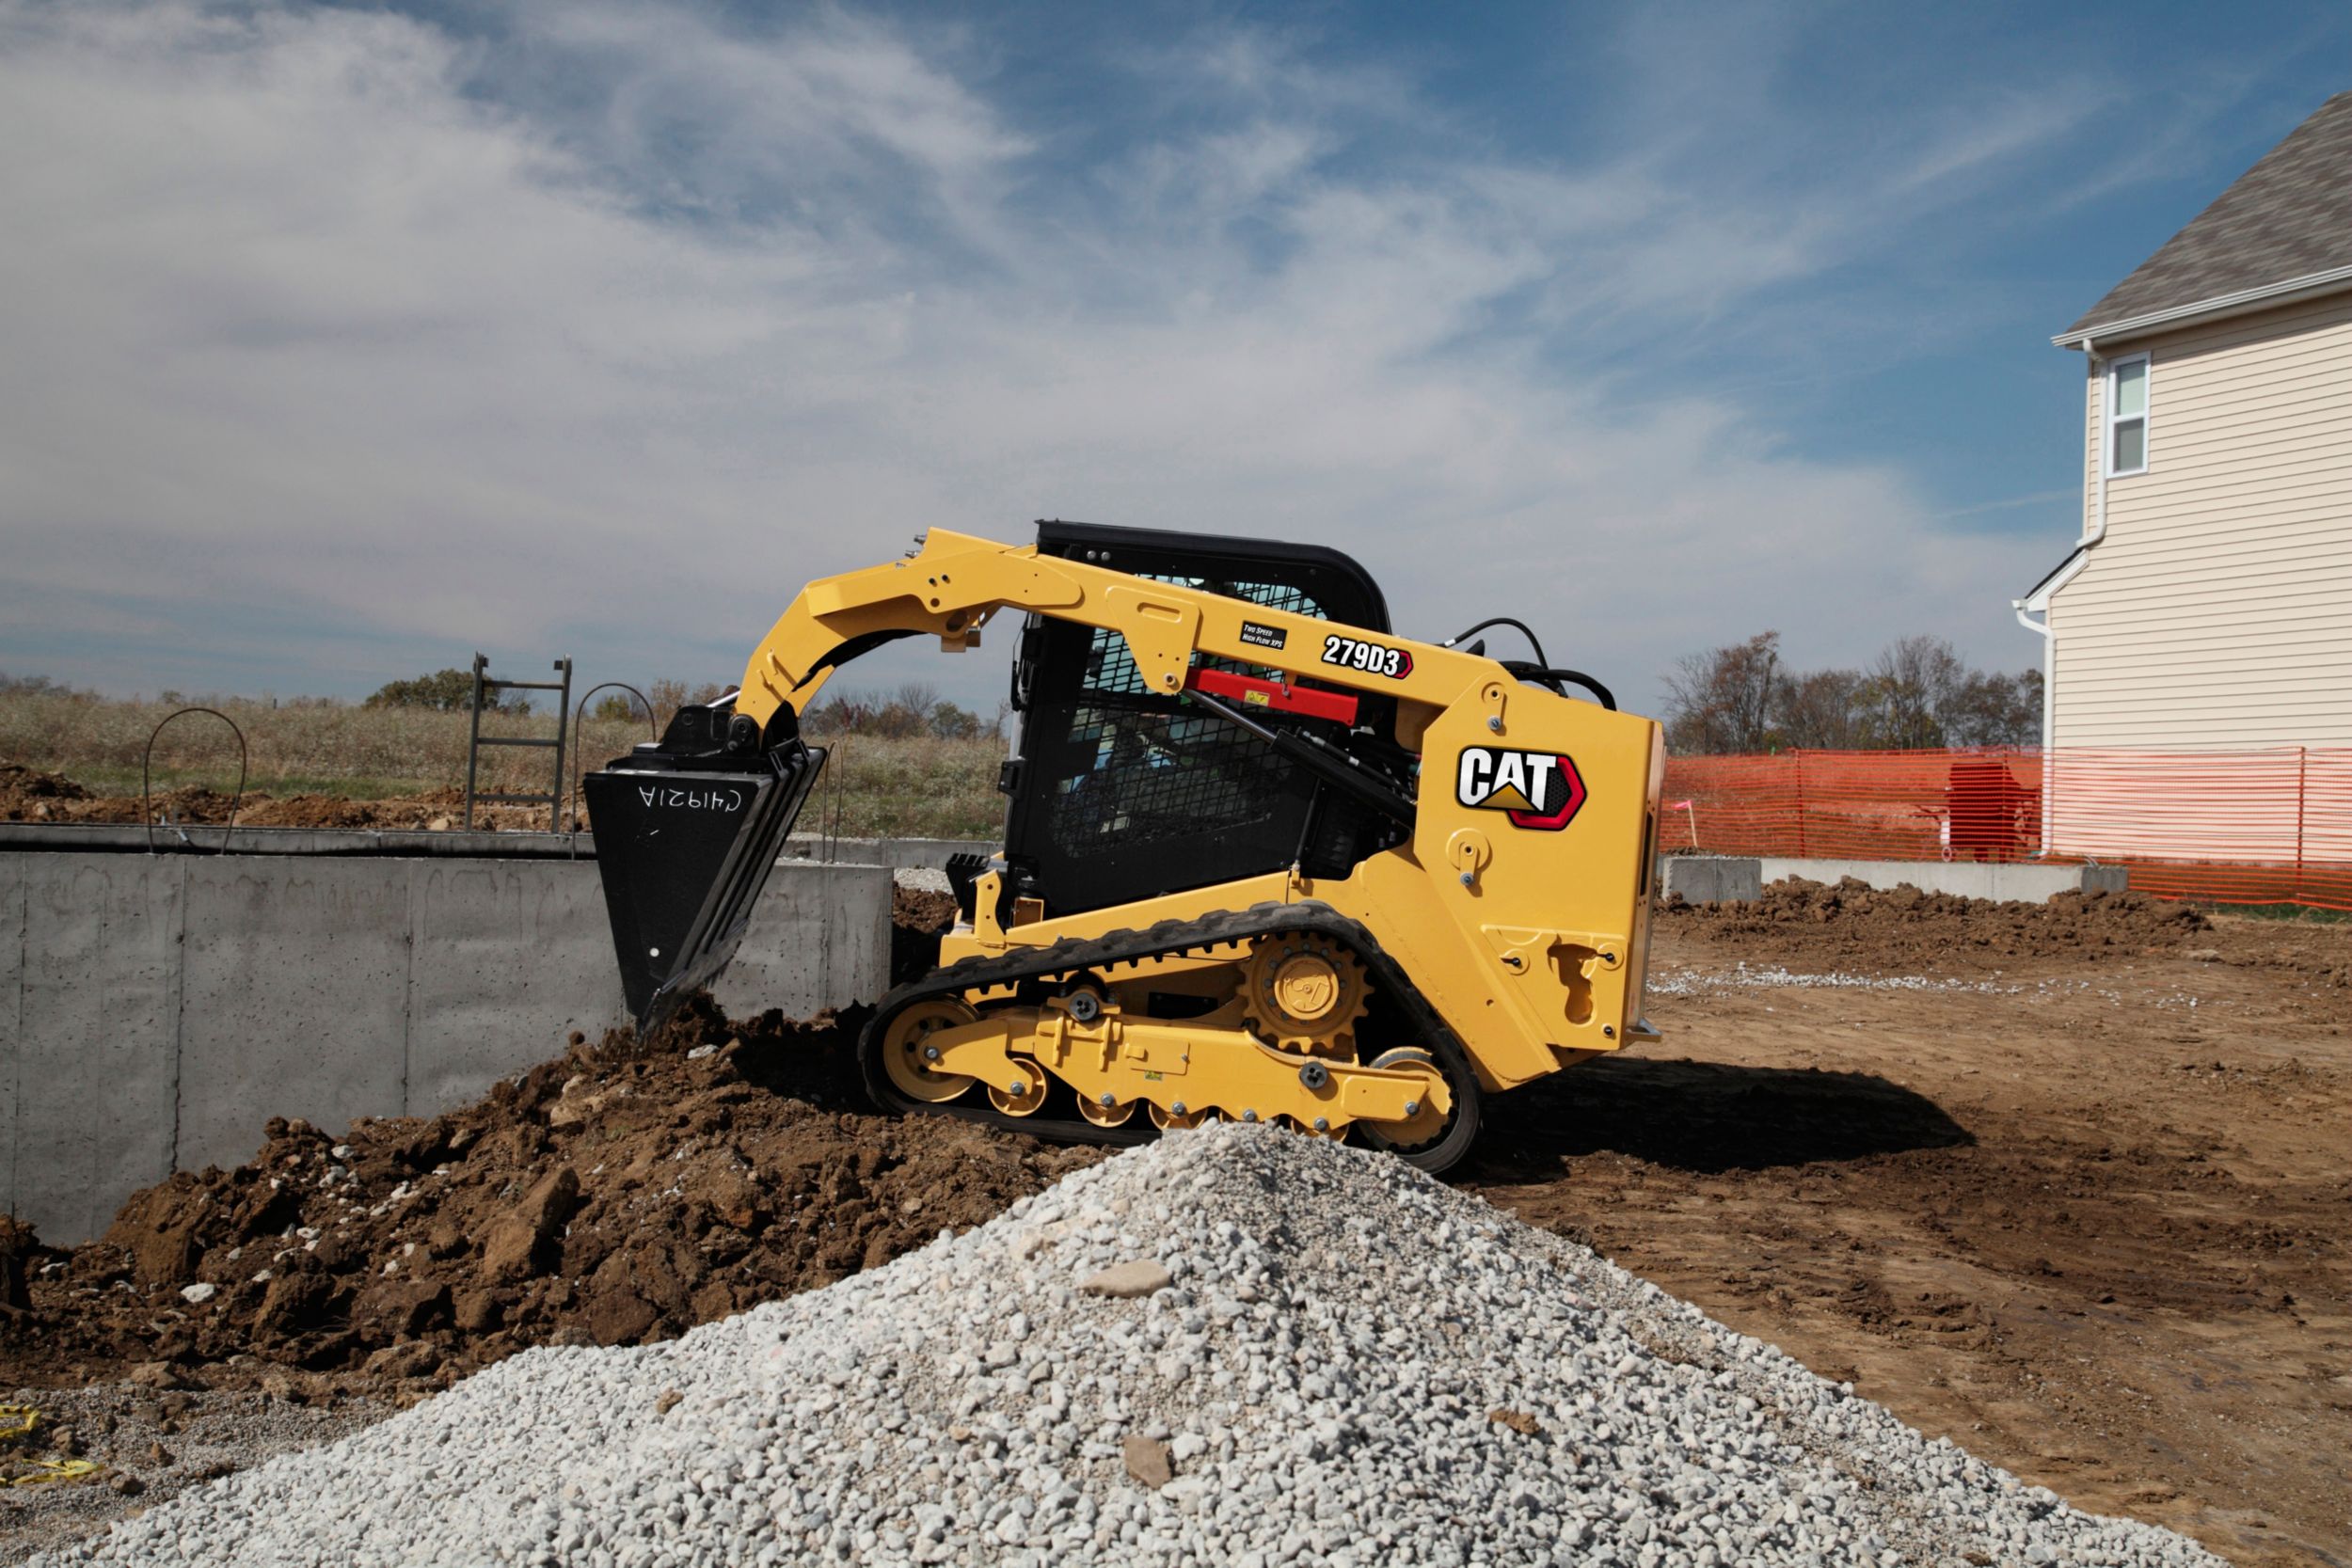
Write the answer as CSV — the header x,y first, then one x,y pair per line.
x,y
917,788
875,787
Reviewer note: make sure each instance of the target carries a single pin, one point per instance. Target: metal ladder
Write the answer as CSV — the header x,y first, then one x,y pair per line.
x,y
484,684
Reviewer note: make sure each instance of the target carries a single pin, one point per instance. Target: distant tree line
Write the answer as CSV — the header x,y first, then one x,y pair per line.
x,y
40,686
1916,694
914,710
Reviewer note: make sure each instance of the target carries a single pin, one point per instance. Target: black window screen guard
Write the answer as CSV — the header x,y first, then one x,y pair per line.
x,y
1124,793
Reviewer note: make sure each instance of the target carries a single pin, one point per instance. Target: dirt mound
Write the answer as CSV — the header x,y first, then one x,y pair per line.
x,y
29,795
918,917
916,908
619,1195
1904,927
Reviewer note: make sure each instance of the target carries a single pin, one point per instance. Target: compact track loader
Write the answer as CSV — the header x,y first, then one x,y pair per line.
x,y
1264,858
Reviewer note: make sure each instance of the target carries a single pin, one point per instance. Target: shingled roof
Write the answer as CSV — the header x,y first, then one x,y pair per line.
x,y
2287,220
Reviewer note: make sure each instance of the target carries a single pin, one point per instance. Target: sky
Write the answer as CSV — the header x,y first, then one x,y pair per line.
x,y
339,341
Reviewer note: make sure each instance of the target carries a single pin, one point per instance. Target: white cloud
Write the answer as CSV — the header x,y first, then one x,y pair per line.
x,y
621,324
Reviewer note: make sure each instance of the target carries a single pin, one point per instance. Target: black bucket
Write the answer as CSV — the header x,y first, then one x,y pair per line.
x,y
685,840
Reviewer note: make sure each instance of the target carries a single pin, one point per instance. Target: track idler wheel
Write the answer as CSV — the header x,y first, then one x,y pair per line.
x,y
903,1053
1429,1139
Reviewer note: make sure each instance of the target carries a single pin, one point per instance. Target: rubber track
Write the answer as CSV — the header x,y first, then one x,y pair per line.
x,y
1167,939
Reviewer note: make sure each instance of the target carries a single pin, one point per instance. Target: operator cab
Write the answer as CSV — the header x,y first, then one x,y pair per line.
x,y
1118,793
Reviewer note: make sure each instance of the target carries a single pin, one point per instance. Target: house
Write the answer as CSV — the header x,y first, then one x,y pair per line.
x,y
2208,603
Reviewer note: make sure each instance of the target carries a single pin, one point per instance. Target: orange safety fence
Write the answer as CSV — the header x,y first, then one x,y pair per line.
x,y
2252,827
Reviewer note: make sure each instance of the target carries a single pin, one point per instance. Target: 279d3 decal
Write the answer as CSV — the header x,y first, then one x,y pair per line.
x,y
1354,653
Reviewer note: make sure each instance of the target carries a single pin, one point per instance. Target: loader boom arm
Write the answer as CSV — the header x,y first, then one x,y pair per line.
x,y
956,583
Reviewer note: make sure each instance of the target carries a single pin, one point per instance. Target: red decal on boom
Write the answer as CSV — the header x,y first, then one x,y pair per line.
x,y
1336,706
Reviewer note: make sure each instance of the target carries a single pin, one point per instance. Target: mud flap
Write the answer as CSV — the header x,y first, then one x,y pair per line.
x,y
684,855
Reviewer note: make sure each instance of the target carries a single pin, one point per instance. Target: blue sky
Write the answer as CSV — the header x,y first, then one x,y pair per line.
x,y
338,341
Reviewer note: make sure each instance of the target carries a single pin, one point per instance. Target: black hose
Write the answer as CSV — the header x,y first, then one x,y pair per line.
x,y
1553,678
1521,627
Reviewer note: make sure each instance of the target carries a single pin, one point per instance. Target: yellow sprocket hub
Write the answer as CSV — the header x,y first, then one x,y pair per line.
x,y
1300,992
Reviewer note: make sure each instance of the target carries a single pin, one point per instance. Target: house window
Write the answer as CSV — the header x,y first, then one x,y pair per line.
x,y
2128,415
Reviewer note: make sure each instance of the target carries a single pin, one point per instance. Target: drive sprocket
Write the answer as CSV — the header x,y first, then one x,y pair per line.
x,y
1300,990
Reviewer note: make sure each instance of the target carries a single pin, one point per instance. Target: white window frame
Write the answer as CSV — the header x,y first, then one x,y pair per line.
x,y
2109,425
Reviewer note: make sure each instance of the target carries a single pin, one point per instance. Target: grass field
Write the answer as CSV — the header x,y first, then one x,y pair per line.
x,y
874,786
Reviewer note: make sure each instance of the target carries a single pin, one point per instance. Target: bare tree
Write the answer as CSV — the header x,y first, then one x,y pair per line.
x,y
1910,688
1917,693
668,696
1995,710
1818,710
1723,700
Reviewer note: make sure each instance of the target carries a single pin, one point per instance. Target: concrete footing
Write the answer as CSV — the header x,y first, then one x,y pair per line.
x,y
155,1010
1711,878
910,854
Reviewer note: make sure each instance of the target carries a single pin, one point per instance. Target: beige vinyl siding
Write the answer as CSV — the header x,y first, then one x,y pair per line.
x,y
2217,609
2217,612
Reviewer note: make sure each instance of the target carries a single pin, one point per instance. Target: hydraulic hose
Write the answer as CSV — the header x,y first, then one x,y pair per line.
x,y
1553,678
1519,625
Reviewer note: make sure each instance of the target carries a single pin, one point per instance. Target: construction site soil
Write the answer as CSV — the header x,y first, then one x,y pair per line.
x,y
29,795
2066,1183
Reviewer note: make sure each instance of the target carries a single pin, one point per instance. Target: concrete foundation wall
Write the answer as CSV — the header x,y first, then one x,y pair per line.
x,y
154,1011
1965,879
912,854
1713,879
924,853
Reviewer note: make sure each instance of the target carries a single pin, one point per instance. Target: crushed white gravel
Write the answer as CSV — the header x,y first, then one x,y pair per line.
x,y
1351,1362
1743,976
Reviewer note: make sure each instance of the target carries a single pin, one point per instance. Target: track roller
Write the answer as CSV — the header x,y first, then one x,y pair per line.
x,y
1020,1098
1117,1114
1337,1134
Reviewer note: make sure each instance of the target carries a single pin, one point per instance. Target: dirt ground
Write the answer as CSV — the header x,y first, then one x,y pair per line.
x,y
2066,1183
29,795
2079,1202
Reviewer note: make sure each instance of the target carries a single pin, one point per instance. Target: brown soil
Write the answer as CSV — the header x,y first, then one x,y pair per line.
x,y
29,795
27,789
617,1196
1928,932
918,917
2083,1210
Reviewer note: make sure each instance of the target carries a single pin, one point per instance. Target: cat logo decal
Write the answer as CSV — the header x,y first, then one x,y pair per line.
x,y
1534,789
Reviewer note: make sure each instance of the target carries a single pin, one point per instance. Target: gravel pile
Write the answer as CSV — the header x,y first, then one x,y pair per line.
x,y
1744,976
1303,1354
